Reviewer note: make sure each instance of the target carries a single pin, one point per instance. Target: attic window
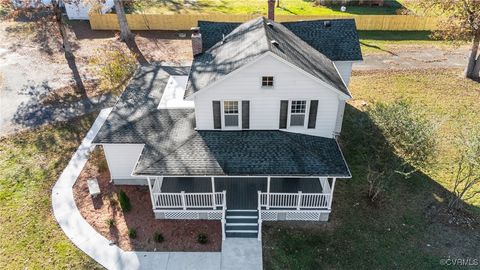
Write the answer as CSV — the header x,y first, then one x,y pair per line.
x,y
327,24
267,81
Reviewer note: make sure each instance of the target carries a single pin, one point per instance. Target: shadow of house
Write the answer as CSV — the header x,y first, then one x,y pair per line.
x,y
408,228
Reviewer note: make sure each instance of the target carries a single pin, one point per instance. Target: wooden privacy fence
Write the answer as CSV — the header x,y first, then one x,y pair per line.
x,y
185,22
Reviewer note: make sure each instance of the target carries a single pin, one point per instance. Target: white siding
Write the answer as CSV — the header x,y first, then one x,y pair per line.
x,y
121,159
341,110
289,84
345,70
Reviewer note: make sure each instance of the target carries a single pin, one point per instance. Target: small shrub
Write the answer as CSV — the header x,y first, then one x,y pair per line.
x,y
98,159
112,199
409,131
114,66
158,237
132,233
202,238
111,222
124,201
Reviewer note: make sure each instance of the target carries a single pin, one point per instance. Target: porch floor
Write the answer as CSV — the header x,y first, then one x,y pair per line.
x,y
242,192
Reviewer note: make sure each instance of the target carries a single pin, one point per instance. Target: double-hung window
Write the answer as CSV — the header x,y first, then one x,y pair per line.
x,y
298,110
231,114
267,81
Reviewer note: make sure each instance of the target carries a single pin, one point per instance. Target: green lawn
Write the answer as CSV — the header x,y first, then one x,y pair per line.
x,y
402,230
30,163
389,41
287,7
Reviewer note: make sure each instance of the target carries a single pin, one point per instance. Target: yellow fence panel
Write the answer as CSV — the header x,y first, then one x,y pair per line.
x,y
187,21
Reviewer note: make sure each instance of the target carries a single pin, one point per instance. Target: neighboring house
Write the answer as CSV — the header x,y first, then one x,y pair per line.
x,y
247,133
79,9
75,9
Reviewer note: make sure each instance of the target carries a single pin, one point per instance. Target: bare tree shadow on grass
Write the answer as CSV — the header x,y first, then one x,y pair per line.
x,y
133,47
378,48
406,227
33,112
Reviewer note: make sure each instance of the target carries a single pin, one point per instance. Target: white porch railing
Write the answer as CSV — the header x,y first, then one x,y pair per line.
x,y
294,200
186,201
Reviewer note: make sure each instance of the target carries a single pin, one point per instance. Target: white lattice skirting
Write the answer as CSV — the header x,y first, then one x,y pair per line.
x,y
189,214
275,215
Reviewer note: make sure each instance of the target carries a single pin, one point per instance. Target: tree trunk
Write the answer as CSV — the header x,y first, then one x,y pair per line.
x,y
278,3
67,48
125,33
472,60
57,12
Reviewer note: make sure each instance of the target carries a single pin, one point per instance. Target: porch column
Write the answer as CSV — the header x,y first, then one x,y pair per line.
x,y
150,189
268,192
331,193
213,192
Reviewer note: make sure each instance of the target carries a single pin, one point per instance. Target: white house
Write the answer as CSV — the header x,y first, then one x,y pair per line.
x,y
79,9
247,133
75,9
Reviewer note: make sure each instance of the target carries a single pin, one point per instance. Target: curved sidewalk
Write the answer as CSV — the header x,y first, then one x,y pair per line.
x,y
237,253
98,247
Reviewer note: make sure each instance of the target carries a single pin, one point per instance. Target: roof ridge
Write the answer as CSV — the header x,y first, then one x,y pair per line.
x,y
266,33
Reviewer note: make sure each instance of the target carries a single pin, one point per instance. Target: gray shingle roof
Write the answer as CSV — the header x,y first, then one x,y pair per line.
x,y
254,152
174,147
338,42
135,118
252,39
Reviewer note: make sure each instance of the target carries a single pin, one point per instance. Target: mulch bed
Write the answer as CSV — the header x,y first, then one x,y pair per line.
x,y
179,235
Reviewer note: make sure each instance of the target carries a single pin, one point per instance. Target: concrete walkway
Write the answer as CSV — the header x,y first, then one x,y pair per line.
x,y
236,254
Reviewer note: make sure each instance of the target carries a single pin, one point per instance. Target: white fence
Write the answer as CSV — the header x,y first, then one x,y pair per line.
x,y
294,200
189,200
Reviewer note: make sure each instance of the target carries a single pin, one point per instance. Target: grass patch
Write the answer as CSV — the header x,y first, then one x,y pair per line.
x,y
30,163
388,41
402,231
287,7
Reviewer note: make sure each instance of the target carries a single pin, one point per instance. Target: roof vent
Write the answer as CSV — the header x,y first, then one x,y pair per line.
x,y
270,24
327,24
274,42
223,38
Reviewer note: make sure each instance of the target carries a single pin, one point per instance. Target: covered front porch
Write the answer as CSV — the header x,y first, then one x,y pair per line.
x,y
271,198
241,193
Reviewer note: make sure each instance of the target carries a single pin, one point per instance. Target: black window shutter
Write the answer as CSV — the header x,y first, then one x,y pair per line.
x,y
283,113
217,124
312,115
245,114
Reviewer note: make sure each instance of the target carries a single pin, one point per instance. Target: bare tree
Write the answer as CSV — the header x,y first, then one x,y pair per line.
x,y
376,182
466,175
461,21
125,33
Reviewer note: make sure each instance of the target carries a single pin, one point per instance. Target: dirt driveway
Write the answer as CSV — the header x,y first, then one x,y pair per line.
x,y
32,64
415,57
